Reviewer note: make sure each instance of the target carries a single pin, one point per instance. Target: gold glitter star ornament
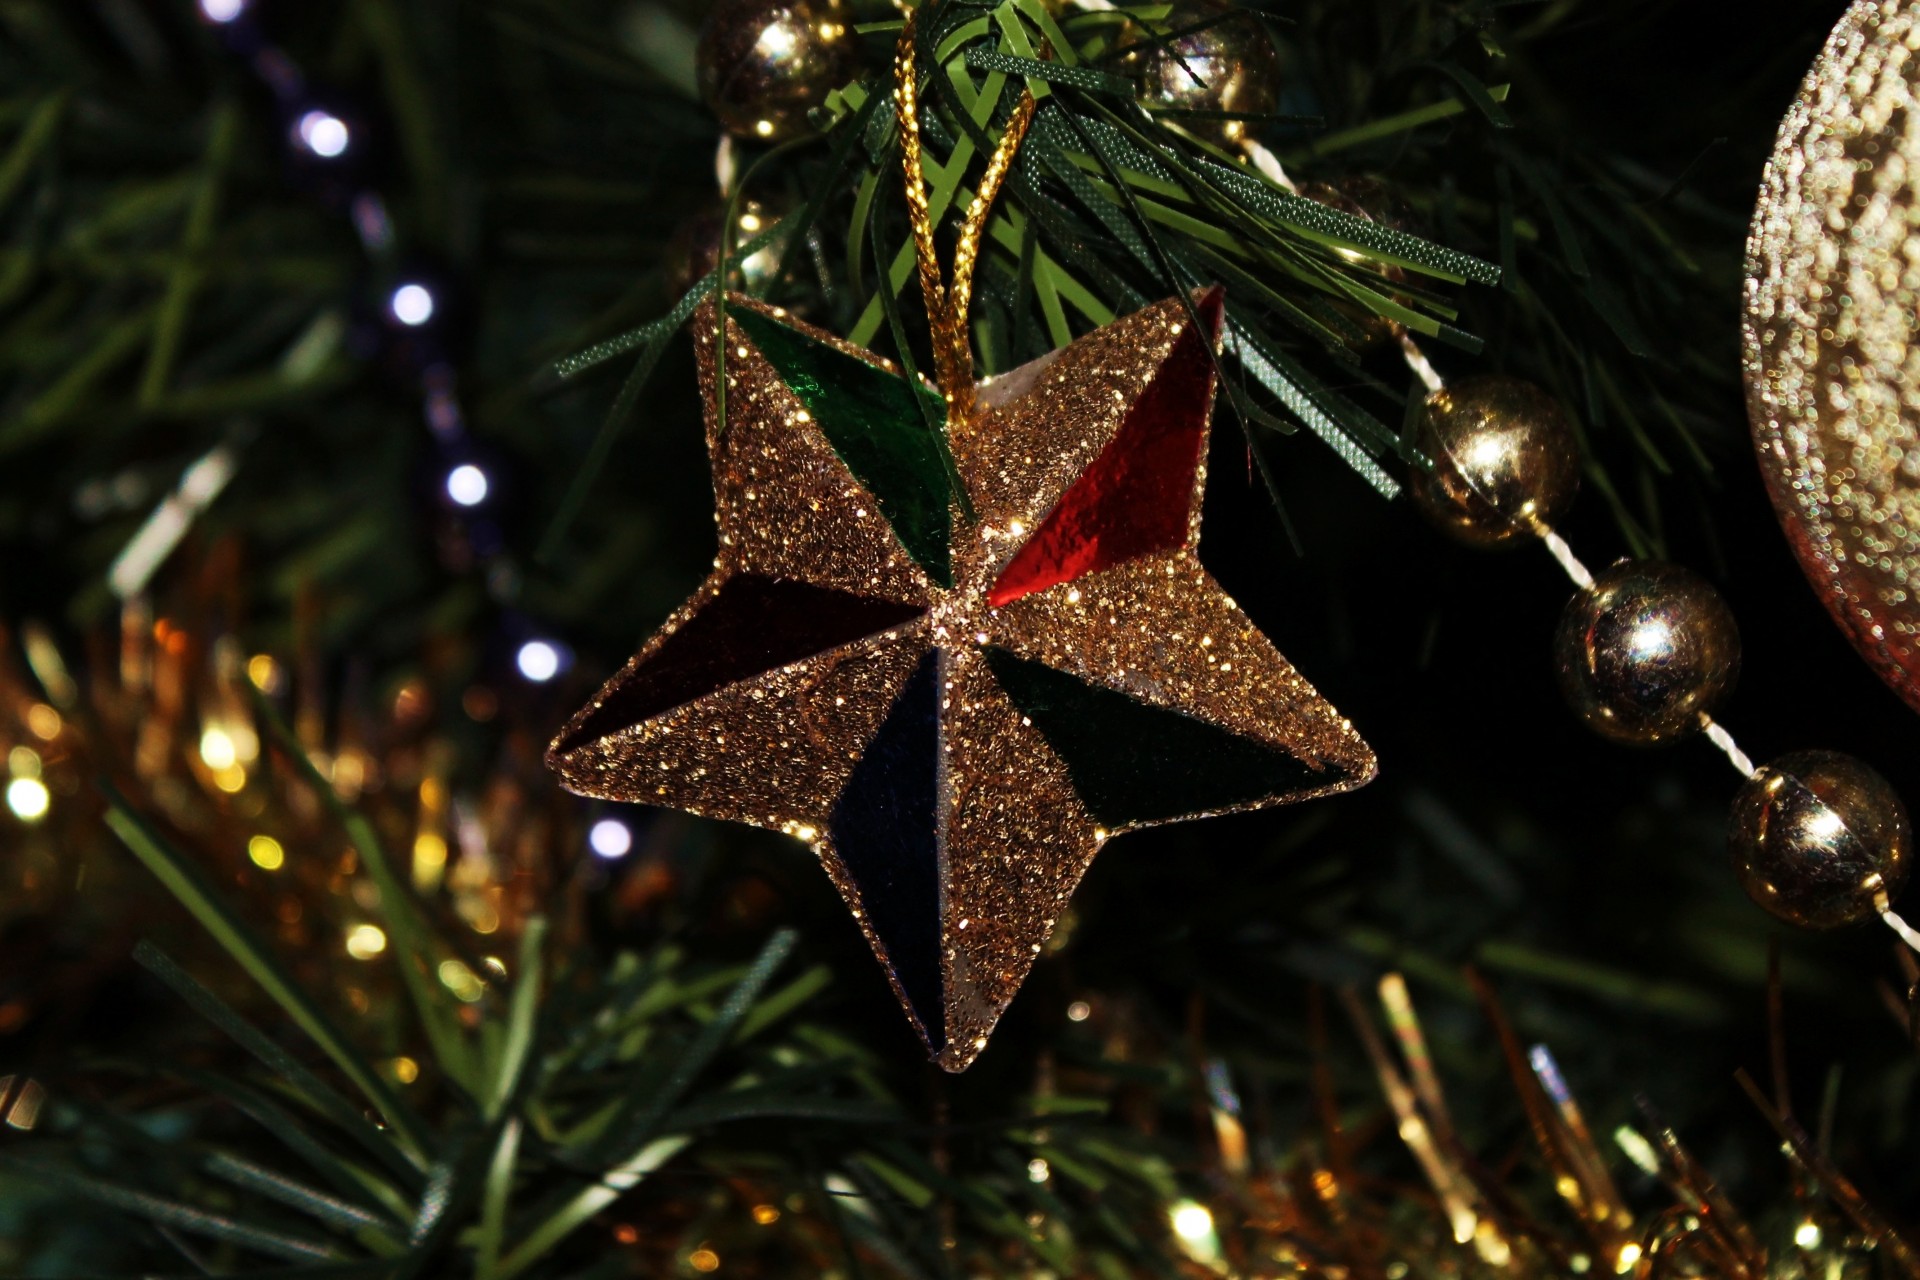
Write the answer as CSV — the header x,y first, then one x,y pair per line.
x,y
957,702
1832,363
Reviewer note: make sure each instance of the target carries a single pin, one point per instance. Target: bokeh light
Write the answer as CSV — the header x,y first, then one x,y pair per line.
x,y
610,838
324,134
538,661
412,304
28,799
467,485
365,941
266,853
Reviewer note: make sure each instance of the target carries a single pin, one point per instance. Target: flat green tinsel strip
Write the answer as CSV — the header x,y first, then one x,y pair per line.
x,y
1258,360
664,328
1085,79
1052,141
1114,175
1311,216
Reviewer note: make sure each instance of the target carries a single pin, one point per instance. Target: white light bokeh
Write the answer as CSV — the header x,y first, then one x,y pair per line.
x,y
324,134
1192,1222
218,749
467,485
412,304
610,838
222,11
365,941
538,661
1193,1227
28,799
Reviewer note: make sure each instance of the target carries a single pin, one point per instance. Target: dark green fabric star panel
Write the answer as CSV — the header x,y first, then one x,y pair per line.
x,y
869,417
886,828
1134,764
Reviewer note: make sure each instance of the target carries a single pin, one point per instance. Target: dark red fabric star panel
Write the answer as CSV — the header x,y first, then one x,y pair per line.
x,y
1137,497
752,625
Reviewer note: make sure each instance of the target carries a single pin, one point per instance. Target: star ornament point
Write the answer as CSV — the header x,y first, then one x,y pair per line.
x,y
957,703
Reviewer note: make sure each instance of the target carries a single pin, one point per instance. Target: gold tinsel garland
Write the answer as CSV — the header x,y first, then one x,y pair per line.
x,y
169,715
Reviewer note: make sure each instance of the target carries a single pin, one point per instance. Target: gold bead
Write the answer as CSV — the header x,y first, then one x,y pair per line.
x,y
1646,651
763,64
1815,835
695,247
1505,460
1366,197
1229,66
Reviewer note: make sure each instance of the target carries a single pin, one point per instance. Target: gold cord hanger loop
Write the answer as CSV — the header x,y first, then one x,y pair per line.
x,y
948,304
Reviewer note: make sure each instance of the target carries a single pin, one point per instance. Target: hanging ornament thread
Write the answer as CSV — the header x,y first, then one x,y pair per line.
x,y
948,304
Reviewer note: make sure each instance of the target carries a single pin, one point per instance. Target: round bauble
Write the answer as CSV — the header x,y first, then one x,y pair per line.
x,y
1227,66
695,249
1646,651
1817,836
1832,353
1506,463
763,64
1366,197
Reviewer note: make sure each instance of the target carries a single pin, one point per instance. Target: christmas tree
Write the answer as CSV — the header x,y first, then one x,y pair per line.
x,y
1022,378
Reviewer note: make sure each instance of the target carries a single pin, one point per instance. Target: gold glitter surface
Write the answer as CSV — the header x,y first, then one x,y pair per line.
x,y
1041,424
1161,630
772,751
785,503
1017,841
1832,365
1013,835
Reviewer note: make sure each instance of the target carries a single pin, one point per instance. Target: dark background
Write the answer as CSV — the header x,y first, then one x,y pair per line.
x,y
1589,882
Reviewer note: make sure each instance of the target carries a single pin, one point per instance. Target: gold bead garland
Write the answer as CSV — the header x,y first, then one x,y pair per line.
x,y
1646,651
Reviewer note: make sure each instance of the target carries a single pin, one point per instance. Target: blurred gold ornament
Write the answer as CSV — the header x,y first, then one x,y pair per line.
x,y
1370,198
1646,651
1830,355
1505,460
1819,839
1203,78
763,64
695,248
